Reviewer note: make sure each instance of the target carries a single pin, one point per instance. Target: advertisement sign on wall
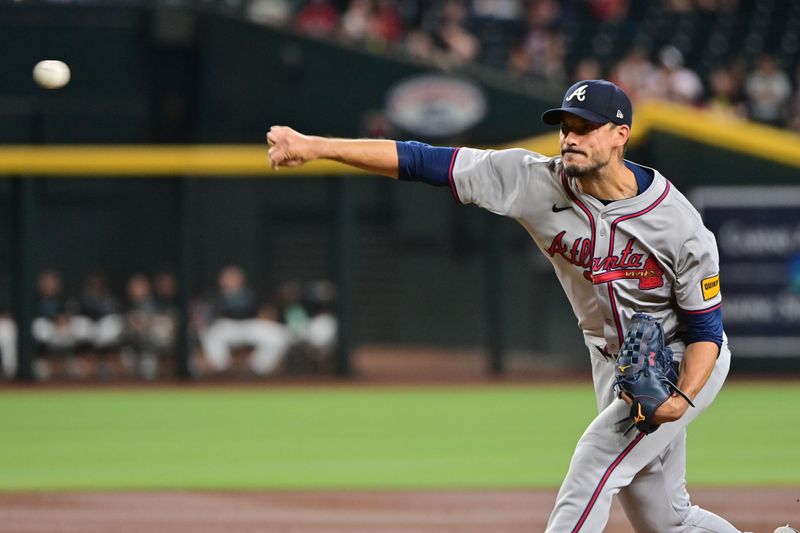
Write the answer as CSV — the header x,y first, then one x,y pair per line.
x,y
758,235
435,105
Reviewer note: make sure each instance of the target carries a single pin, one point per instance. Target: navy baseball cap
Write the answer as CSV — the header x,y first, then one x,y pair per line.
x,y
597,101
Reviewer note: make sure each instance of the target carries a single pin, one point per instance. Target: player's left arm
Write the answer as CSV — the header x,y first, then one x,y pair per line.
x,y
700,306
696,367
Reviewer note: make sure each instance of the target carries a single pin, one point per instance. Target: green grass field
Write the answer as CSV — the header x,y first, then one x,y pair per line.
x,y
502,436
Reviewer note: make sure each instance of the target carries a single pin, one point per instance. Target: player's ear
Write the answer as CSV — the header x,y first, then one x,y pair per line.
x,y
622,133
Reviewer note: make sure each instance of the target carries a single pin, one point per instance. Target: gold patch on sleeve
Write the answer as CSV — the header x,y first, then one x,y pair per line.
x,y
710,287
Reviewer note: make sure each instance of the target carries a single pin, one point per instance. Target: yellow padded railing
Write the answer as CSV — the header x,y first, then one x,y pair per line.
x,y
151,160
251,160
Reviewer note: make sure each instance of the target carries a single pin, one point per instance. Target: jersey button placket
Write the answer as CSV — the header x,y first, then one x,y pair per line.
x,y
601,250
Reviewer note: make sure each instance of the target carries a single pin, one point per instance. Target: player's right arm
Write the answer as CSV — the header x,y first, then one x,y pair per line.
x,y
491,179
404,160
289,148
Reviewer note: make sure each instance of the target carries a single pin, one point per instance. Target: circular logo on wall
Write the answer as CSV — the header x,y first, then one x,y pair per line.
x,y
435,105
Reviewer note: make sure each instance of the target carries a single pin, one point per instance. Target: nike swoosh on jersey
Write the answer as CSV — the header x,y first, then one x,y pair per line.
x,y
557,209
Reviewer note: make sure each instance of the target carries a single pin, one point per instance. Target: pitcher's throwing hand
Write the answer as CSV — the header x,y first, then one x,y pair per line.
x,y
289,148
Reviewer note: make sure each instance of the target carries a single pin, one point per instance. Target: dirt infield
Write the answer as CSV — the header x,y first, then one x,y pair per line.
x,y
339,512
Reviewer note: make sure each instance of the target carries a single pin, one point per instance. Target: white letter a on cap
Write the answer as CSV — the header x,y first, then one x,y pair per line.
x,y
580,92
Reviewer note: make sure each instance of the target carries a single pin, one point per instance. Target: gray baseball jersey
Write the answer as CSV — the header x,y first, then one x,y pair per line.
x,y
650,253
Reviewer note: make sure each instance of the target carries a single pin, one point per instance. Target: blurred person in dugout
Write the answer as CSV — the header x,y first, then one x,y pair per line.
x,y
237,323
55,330
307,310
149,327
8,339
166,294
100,319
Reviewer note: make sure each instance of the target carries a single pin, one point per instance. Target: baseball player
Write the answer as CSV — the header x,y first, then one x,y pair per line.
x,y
622,240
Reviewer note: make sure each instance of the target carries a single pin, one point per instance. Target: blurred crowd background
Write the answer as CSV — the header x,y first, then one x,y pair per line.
x,y
736,57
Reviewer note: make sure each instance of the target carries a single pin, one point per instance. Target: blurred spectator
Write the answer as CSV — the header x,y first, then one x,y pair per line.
x,y
8,334
149,331
166,292
504,10
497,24
356,20
55,330
420,45
270,12
712,6
678,6
725,100
100,319
544,14
717,6
236,324
386,26
675,82
540,53
794,105
768,91
376,125
635,73
608,10
318,18
292,312
307,310
8,343
541,56
451,35
321,330
587,68
375,23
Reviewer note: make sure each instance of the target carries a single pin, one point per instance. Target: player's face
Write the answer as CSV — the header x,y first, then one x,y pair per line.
x,y
586,147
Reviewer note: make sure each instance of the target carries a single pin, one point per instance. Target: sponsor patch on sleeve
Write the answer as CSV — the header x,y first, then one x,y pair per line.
x,y
710,287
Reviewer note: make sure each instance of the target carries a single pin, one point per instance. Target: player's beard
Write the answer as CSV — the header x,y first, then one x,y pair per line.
x,y
592,168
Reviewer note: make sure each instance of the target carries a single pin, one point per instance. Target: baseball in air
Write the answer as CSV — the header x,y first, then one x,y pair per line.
x,y
51,74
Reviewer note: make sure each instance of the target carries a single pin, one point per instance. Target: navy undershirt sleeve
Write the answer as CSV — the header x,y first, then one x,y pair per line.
x,y
422,162
643,177
704,326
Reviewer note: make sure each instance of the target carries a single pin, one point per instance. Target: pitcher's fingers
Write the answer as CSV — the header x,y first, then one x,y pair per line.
x,y
277,155
272,136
